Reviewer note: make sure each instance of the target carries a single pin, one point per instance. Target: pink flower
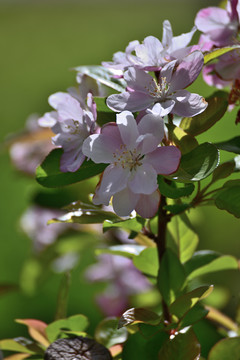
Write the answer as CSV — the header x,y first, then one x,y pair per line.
x,y
72,122
144,91
123,280
152,54
225,71
220,26
135,159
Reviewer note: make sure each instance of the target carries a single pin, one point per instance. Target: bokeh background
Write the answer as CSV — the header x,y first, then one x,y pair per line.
x,y
39,42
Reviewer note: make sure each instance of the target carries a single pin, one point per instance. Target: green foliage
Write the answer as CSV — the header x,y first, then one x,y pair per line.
x,y
103,75
226,349
184,346
228,197
74,324
81,213
139,347
128,250
204,262
185,240
181,306
147,262
20,344
174,190
171,277
108,334
104,114
218,52
223,170
48,174
193,316
217,106
181,139
138,315
198,163
136,224
231,145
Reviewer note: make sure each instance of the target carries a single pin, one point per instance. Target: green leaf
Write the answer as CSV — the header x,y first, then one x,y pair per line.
x,y
138,315
194,315
204,262
218,52
182,140
85,215
226,349
127,250
231,145
136,224
184,346
36,329
185,302
73,323
177,208
198,163
104,114
217,106
185,239
171,277
138,347
173,190
108,334
147,262
20,344
48,174
103,75
228,198
223,170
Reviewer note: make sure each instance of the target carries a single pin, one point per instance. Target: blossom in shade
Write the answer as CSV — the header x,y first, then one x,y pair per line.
x,y
123,280
225,71
219,26
72,122
34,224
144,91
152,54
135,158
30,148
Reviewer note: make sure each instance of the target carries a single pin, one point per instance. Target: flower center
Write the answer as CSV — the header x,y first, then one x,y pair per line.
x,y
74,129
158,90
127,159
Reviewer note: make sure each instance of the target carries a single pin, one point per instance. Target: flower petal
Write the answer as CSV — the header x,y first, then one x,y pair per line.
x,y
165,160
71,160
188,104
66,105
128,129
146,143
152,124
187,71
148,205
167,34
114,179
150,52
124,202
49,119
137,79
101,147
132,101
181,41
143,180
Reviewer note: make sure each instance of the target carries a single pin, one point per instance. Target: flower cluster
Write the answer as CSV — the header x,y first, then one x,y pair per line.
x,y
220,28
156,74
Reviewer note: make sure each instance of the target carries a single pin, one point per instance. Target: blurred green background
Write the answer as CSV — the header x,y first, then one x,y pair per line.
x,y
40,41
